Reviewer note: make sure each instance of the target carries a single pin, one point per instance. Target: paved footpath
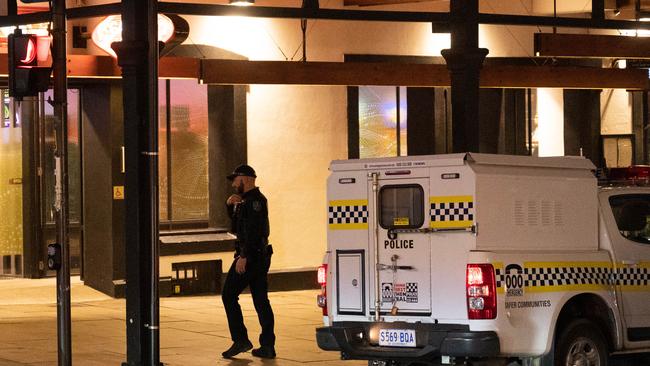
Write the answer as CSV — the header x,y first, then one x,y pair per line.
x,y
193,329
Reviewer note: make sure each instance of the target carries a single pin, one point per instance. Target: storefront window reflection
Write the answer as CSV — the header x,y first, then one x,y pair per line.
x,y
163,179
378,121
183,142
74,174
11,198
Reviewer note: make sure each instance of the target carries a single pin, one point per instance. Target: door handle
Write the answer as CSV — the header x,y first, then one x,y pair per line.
x,y
630,262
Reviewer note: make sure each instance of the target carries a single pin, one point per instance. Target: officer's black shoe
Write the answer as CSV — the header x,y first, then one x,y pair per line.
x,y
237,348
264,352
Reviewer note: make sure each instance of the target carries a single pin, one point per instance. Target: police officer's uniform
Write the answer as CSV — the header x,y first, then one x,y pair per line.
x,y
250,221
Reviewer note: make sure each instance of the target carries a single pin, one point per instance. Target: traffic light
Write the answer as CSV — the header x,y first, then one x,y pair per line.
x,y
26,77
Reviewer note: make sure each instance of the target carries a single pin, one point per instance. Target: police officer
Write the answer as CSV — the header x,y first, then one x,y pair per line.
x,y
250,222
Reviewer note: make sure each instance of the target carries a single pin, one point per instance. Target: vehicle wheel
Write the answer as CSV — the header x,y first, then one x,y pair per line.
x,y
581,344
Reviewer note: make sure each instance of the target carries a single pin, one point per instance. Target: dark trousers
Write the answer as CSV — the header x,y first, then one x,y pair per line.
x,y
255,278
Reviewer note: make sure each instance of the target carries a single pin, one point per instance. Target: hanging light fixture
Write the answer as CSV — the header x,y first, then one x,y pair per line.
x,y
109,30
242,2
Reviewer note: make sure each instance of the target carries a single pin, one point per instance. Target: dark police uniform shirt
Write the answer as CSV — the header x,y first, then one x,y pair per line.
x,y
250,222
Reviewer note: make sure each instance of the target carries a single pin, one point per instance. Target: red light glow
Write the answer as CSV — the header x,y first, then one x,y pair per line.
x,y
322,275
30,53
474,276
481,291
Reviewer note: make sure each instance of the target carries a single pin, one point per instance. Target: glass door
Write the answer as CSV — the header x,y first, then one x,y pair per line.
x,y
74,176
11,190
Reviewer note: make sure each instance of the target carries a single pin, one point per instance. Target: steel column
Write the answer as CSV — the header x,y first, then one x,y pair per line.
x,y
598,9
464,60
138,57
64,324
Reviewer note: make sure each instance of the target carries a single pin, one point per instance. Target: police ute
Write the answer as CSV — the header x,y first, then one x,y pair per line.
x,y
480,259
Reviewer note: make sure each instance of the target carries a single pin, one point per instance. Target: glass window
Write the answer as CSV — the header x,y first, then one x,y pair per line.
x,y
163,173
74,157
618,150
7,107
74,162
380,134
401,206
632,214
188,113
11,193
74,173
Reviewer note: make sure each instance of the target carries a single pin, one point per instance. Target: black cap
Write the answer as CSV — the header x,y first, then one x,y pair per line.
x,y
242,171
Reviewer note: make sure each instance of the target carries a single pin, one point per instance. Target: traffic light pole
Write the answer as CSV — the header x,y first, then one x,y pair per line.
x,y
64,324
138,58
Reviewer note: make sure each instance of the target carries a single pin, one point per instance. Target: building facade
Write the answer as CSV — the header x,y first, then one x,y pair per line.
x,y
288,133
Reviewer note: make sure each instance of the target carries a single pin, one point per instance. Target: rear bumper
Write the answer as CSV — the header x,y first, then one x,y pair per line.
x,y
353,340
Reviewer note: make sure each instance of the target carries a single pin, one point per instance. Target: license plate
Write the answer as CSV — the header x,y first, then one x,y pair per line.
x,y
397,337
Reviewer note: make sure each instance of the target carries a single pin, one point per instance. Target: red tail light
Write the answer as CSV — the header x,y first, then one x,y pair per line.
x,y
481,292
322,281
322,275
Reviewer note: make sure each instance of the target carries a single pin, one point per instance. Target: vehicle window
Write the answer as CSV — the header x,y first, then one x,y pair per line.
x,y
401,206
632,214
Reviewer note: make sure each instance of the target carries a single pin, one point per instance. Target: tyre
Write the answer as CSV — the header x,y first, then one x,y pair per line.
x,y
581,343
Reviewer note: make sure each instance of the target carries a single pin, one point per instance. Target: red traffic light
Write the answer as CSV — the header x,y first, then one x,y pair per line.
x,y
26,78
30,51
22,49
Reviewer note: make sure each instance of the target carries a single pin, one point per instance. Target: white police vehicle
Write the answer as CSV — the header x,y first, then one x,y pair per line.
x,y
484,260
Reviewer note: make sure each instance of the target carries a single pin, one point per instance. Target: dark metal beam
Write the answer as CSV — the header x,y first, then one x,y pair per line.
x,y
464,60
245,72
24,19
591,45
598,9
300,13
94,11
331,14
392,16
138,57
531,20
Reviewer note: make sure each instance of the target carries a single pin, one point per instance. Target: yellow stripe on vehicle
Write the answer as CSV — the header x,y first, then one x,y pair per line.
x,y
348,226
563,264
348,203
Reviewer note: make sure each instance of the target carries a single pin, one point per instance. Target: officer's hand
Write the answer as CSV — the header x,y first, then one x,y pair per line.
x,y
235,198
240,267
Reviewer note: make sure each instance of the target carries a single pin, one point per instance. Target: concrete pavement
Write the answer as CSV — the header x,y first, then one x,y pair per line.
x,y
193,329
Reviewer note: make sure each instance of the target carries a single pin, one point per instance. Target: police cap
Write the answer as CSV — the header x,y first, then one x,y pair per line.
x,y
242,171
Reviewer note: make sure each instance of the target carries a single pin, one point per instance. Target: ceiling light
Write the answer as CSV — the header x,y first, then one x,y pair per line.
x,y
242,2
109,30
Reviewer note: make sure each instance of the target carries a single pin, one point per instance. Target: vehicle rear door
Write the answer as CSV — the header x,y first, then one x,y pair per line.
x,y
404,247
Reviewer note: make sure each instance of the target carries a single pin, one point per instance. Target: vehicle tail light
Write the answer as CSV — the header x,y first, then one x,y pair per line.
x,y
322,281
481,291
322,275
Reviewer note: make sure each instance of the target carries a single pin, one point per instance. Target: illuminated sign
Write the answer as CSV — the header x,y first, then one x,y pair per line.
x,y
30,52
